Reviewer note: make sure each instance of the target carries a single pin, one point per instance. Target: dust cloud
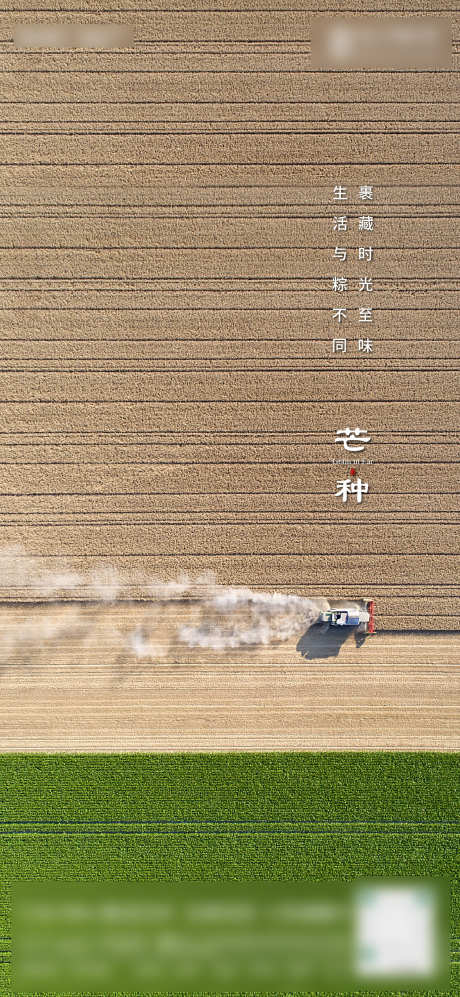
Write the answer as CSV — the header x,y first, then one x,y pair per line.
x,y
64,606
239,617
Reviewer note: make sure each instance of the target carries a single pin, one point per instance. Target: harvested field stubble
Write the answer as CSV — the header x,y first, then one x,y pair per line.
x,y
169,394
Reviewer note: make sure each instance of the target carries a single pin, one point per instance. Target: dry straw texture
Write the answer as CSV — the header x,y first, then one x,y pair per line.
x,y
168,394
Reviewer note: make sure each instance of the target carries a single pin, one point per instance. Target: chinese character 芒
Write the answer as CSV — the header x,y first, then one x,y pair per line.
x,y
340,283
352,486
365,314
365,345
340,314
340,253
365,253
366,223
350,438
366,192
340,193
340,223
339,345
365,284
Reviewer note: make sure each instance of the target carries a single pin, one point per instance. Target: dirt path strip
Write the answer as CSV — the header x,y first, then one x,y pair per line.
x,y
212,708
81,687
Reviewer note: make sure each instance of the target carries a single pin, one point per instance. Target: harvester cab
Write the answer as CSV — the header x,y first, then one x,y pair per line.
x,y
360,615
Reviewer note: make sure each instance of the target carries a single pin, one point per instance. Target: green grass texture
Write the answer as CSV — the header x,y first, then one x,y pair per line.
x,y
238,816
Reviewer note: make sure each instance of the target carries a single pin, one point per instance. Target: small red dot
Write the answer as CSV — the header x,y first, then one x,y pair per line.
x,y
353,470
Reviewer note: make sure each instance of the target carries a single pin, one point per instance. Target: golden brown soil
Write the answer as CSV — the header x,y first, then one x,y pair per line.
x,y
168,393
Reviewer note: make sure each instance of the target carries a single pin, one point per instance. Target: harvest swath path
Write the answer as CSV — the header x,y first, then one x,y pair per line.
x,y
321,817
85,691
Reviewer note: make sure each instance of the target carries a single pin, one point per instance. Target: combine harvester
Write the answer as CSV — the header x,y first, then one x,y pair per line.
x,y
359,614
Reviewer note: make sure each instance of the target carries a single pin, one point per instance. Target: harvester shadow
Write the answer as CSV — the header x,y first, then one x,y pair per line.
x,y
325,642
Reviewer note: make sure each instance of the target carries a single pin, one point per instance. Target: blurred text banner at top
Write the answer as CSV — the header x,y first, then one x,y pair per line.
x,y
401,43
47,35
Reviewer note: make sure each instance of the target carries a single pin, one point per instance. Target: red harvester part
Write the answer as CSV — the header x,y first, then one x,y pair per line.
x,y
371,611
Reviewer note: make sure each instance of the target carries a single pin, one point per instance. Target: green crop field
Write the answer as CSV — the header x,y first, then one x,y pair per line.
x,y
240,817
